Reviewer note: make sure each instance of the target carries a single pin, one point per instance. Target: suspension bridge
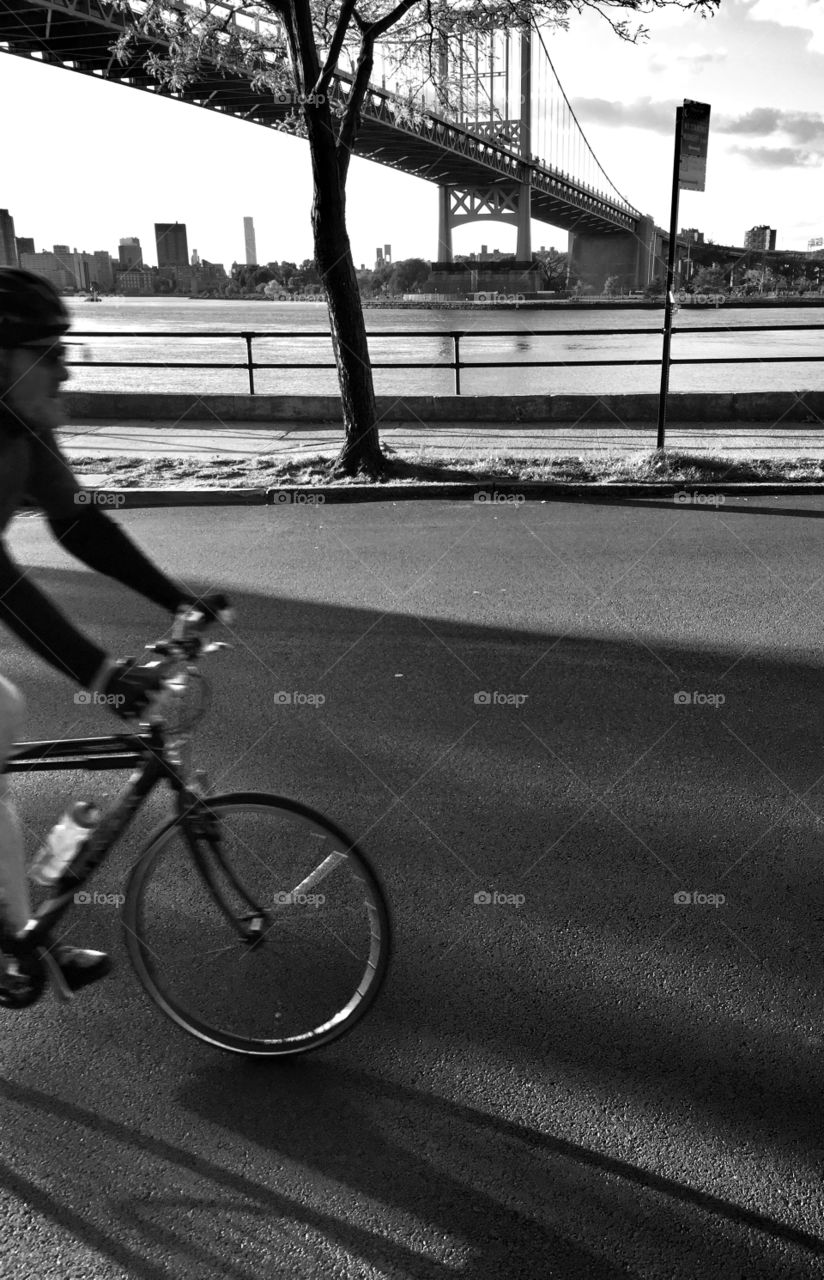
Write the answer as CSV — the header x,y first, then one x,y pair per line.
x,y
509,149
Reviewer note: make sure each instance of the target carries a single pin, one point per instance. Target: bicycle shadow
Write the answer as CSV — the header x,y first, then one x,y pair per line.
x,y
377,1147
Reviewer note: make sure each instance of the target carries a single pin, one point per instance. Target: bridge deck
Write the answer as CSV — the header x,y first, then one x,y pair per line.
x,y
79,34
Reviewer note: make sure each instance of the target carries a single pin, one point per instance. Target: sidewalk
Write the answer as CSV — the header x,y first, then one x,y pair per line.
x,y
296,440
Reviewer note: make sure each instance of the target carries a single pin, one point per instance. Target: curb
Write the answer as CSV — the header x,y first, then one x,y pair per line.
x,y
476,490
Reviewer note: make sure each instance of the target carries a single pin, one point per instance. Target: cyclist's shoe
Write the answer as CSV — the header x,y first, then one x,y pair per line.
x,y
79,968
21,982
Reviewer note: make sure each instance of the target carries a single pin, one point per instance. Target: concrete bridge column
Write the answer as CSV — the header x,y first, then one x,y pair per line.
x,y
444,226
523,250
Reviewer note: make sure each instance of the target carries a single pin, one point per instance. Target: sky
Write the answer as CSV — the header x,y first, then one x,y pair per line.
x,y
86,163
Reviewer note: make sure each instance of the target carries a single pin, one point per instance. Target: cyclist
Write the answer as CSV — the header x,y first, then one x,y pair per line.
x,y
32,321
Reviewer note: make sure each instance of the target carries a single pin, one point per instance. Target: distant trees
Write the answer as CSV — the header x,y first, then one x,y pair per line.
x,y
556,269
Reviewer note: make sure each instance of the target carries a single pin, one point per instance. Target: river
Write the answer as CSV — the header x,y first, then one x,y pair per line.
x,y
534,336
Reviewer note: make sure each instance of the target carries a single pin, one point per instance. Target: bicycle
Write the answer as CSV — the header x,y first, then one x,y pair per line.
x,y
252,921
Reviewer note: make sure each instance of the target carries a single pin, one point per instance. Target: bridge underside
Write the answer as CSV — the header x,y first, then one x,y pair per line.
x,y
78,35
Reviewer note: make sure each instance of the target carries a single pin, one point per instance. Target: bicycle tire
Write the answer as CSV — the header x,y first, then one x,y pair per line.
x,y
279,996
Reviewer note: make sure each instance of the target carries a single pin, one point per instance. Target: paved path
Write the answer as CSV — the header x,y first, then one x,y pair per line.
x,y
603,1081
239,440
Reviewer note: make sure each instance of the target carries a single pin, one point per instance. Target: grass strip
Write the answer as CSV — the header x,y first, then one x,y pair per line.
x,y
421,467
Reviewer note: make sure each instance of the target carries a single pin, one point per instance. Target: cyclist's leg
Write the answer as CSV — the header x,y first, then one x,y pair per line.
x,y
15,904
19,982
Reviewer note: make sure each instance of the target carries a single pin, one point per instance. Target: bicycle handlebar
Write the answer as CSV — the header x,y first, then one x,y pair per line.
x,y
186,645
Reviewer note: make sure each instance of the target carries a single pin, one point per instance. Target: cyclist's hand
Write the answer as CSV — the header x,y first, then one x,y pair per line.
x,y
215,607
131,687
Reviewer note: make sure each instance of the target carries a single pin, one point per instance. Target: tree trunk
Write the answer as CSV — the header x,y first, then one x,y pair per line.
x,y
361,450
361,446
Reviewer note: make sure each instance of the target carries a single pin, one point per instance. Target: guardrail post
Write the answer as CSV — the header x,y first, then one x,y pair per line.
x,y
456,342
249,364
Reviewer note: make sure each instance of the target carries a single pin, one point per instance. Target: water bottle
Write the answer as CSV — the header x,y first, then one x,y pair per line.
x,y
63,841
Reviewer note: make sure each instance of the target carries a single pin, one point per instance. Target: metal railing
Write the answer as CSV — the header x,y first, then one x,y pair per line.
x,y
456,336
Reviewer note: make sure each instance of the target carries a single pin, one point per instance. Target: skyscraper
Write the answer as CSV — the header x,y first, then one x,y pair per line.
x,y
130,253
172,245
249,237
761,237
8,245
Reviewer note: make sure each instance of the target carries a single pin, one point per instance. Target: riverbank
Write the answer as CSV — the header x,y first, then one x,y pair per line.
x,y
507,302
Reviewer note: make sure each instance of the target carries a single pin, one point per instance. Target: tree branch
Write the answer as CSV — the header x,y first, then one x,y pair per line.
x,y
376,29
344,18
352,115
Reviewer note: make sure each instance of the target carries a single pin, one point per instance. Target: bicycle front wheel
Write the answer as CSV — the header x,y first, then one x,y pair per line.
x,y
274,940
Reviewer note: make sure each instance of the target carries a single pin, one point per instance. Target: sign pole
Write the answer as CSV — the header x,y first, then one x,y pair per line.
x,y
668,301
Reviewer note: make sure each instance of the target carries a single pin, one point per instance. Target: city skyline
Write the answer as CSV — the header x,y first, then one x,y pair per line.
x,y
759,64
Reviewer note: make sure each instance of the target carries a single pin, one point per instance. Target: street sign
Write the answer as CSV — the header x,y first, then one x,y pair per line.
x,y
695,135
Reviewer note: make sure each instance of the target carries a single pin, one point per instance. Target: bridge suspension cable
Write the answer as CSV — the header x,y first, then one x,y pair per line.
x,y
582,161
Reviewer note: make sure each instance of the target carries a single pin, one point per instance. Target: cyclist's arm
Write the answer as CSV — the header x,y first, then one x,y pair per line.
x,y
89,534
98,541
30,614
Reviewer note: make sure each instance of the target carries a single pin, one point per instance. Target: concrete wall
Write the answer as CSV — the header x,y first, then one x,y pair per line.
x,y
633,256
779,406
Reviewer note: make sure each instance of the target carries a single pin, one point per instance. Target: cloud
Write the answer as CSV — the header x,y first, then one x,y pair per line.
x,y
780,157
803,15
800,126
700,57
804,129
642,114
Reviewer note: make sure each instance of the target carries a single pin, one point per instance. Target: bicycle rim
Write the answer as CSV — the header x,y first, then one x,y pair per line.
x,y
323,945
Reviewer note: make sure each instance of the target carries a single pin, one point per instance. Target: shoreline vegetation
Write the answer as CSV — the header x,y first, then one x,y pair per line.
x,y
653,467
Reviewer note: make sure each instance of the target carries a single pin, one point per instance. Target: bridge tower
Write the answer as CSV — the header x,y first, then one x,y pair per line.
x,y
507,202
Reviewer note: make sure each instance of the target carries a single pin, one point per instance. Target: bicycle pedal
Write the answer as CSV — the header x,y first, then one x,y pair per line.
x,y
59,986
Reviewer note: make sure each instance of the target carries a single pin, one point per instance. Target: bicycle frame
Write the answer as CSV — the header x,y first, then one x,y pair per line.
x,y
111,752
155,761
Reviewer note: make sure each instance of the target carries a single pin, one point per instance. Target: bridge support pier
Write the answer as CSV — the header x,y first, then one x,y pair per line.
x,y
634,257
444,224
523,250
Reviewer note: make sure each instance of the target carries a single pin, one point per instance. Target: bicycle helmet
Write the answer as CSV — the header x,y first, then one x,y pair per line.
x,y
31,309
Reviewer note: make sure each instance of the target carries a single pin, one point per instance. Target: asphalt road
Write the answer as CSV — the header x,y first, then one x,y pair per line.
x,y
600,1081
